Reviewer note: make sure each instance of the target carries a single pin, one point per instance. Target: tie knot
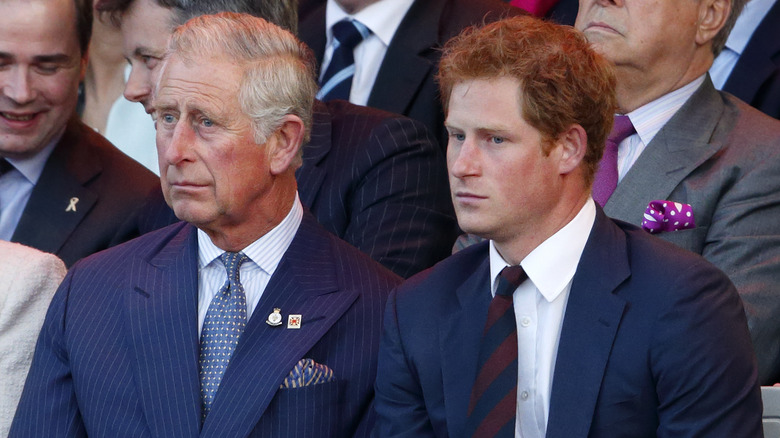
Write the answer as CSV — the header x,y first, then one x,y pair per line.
x,y
621,129
349,33
509,278
233,261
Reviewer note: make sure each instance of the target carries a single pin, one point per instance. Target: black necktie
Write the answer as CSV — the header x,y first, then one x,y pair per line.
x,y
337,81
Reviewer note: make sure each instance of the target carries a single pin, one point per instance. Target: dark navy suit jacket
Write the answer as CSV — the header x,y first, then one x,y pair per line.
x,y
372,178
756,77
109,186
118,353
654,343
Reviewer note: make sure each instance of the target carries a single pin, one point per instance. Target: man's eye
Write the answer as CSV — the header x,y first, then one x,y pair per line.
x,y
47,69
150,61
497,140
207,123
167,118
458,137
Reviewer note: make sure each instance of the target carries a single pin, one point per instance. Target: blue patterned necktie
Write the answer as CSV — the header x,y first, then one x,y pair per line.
x,y
223,325
494,394
337,81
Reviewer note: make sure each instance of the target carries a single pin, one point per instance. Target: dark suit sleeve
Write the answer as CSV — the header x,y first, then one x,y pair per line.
x,y
401,213
48,407
400,405
702,360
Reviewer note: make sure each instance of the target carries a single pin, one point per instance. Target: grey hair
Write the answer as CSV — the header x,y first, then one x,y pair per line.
x,y
278,74
719,41
282,13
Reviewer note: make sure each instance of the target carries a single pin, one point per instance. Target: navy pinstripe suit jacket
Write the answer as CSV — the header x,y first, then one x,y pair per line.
x,y
117,356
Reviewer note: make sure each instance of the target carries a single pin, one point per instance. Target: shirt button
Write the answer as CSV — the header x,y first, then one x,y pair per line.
x,y
524,395
525,321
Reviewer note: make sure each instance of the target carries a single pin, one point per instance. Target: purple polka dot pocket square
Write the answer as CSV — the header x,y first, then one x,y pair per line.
x,y
307,373
661,216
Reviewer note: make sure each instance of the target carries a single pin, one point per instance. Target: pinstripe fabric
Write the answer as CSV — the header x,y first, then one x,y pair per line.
x,y
378,181
122,335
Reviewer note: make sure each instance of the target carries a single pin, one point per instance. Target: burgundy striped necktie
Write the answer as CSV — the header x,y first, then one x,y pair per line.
x,y
494,394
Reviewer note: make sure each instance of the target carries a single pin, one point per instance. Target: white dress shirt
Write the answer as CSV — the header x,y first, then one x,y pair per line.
x,y
747,23
383,19
540,303
17,185
264,256
648,120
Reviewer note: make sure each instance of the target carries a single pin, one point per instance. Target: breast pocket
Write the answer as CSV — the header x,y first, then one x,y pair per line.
x,y
311,411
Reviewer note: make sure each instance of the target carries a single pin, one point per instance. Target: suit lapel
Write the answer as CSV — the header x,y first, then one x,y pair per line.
x,y
310,175
681,146
759,60
591,321
162,315
413,47
461,334
48,220
304,283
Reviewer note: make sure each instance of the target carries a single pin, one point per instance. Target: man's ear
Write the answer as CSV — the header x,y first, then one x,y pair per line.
x,y
573,142
712,17
284,144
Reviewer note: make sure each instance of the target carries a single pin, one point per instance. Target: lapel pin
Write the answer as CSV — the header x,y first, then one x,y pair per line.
x,y
275,318
72,205
294,322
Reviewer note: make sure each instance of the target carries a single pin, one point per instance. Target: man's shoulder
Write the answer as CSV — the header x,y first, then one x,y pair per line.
x,y
315,246
351,129
749,126
441,280
144,247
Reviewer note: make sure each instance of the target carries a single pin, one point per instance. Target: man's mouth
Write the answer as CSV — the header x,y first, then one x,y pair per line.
x,y
18,117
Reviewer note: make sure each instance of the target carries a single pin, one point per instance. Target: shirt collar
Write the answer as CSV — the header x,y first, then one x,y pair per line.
x,y
651,117
382,17
551,265
32,168
747,23
267,251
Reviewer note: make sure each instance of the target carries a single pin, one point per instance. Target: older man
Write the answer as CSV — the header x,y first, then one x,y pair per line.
x,y
566,324
152,338
373,178
64,189
689,148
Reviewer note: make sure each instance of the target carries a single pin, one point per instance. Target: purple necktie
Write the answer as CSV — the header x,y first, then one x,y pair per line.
x,y
494,394
607,176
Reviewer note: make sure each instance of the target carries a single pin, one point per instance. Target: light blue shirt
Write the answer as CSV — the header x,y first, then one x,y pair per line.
x,y
746,25
17,185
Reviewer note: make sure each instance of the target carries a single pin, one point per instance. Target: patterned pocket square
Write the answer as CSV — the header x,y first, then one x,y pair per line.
x,y
663,215
306,373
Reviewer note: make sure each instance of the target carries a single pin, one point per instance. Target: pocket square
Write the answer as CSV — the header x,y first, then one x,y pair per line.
x,y
306,373
663,215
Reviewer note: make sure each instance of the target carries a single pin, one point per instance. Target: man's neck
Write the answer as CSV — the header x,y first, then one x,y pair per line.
x,y
635,88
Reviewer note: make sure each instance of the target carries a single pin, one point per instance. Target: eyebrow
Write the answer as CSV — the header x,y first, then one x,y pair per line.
x,y
55,58
145,51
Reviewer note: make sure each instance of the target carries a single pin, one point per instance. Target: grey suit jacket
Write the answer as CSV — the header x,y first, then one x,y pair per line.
x,y
28,279
723,158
